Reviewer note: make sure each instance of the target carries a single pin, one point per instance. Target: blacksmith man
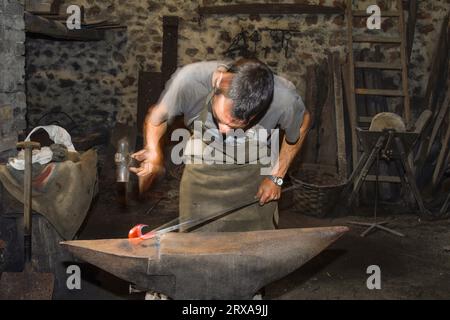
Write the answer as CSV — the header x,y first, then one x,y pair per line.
x,y
226,97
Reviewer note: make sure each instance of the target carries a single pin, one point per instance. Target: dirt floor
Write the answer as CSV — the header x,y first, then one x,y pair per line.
x,y
416,266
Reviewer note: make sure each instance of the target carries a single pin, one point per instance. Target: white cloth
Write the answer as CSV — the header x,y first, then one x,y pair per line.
x,y
58,134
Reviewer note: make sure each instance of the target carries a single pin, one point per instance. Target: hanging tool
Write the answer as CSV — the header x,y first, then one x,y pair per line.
x,y
136,231
255,37
27,285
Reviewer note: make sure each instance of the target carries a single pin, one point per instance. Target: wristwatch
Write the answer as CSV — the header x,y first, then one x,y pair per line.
x,y
277,180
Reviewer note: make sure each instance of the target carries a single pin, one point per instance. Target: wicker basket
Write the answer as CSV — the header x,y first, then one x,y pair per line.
x,y
318,189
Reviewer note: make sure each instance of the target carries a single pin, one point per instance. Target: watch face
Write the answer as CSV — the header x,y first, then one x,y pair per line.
x,y
279,181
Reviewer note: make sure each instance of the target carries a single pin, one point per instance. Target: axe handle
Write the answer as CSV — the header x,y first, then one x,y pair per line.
x,y
28,147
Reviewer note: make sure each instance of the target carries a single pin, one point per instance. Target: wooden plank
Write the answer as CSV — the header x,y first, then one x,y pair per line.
x,y
439,64
48,6
150,87
383,178
411,27
437,174
360,81
365,119
439,119
363,13
327,142
268,8
379,92
170,46
404,60
378,65
422,121
308,156
339,116
349,76
377,78
55,29
373,78
376,39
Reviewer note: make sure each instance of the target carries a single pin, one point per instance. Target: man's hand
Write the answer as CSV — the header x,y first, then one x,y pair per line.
x,y
151,163
268,191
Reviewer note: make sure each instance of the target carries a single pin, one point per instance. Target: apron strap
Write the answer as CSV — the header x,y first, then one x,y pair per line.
x,y
206,108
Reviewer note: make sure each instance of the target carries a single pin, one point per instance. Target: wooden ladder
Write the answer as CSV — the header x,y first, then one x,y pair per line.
x,y
355,118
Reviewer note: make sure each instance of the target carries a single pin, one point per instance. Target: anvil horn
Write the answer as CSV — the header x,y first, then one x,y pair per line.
x,y
207,265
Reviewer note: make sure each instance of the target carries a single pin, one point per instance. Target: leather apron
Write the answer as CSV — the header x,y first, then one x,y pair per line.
x,y
206,189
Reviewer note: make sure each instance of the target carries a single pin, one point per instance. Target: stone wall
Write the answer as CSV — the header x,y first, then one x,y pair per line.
x,y
12,70
96,82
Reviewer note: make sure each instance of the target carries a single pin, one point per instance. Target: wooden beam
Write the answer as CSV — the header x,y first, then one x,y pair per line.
x,y
404,60
169,46
383,178
379,92
339,116
440,163
363,13
438,64
326,130
55,29
422,121
377,65
349,81
439,119
310,149
411,27
376,39
266,8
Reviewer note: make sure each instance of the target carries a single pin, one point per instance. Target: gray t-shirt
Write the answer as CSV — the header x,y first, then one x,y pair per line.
x,y
187,90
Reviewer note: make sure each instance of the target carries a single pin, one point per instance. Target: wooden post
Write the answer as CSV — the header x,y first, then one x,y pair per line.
x,y
170,46
339,116
350,75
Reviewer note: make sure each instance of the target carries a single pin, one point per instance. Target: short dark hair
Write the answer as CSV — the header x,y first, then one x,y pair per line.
x,y
251,88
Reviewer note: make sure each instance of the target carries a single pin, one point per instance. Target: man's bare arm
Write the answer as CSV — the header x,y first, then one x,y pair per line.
x,y
152,156
289,151
268,191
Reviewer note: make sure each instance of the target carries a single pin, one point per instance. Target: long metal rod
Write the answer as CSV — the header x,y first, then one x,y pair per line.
x,y
195,223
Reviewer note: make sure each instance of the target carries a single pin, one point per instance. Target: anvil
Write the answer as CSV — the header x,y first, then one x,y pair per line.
x,y
207,265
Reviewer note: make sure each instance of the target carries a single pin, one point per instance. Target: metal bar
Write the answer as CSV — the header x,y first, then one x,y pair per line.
x,y
195,223
390,230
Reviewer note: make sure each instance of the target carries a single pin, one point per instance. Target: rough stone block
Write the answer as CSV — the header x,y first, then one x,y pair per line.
x,y
13,7
15,22
8,143
6,113
14,35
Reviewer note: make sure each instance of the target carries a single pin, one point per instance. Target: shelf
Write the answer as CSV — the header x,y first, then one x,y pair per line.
x,y
54,28
266,8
